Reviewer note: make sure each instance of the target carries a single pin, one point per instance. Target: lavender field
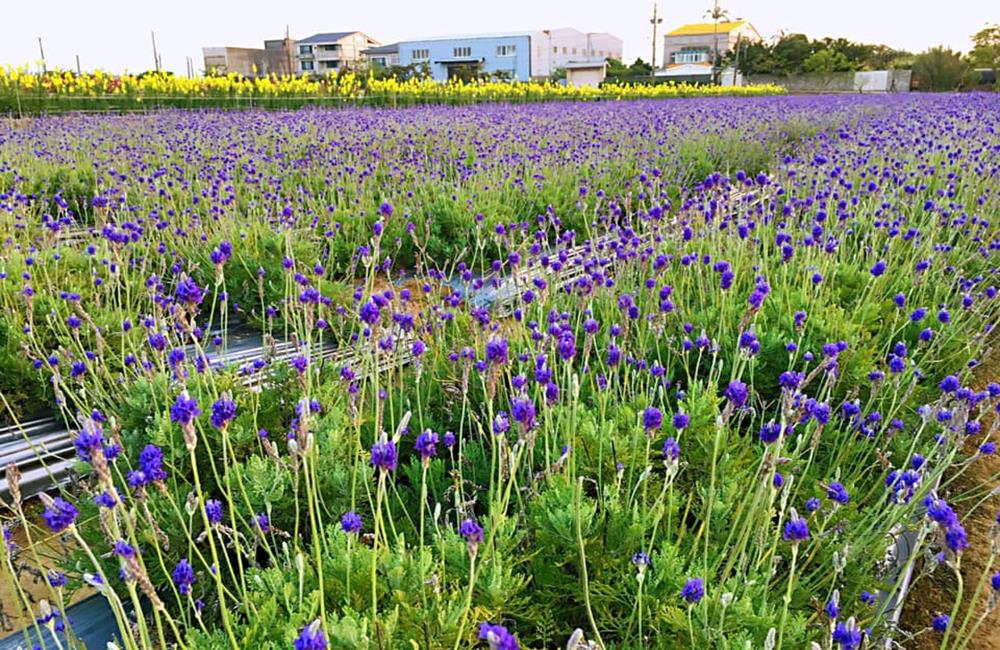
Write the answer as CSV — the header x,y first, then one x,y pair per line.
x,y
642,374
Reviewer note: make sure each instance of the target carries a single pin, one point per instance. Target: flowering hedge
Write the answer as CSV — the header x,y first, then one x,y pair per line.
x,y
623,393
23,92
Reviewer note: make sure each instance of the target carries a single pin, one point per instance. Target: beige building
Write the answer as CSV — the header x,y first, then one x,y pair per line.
x,y
330,52
689,50
586,73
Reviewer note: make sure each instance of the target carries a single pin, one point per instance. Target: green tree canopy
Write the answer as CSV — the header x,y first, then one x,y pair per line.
x,y
827,61
986,48
940,69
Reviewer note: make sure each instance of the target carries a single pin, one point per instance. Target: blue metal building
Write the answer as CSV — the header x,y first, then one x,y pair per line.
x,y
463,56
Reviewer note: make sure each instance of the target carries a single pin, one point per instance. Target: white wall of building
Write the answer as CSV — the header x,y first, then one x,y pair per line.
x,y
554,48
592,76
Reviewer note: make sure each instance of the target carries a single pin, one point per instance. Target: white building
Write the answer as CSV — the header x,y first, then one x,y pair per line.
x,y
330,52
552,49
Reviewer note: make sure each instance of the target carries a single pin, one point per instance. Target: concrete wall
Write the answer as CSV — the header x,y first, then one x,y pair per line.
x,y
482,49
246,61
838,82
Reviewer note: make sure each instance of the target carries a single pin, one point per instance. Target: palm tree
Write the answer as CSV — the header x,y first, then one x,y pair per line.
x,y
716,13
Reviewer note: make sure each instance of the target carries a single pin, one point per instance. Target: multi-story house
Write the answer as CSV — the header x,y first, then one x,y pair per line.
x,y
383,56
689,51
331,52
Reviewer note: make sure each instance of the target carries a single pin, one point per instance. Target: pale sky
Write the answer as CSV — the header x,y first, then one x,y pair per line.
x,y
115,34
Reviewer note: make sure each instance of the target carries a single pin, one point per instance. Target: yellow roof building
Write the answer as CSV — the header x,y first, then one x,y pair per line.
x,y
688,51
697,29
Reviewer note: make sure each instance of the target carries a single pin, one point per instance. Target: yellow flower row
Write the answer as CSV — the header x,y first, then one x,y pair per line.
x,y
347,86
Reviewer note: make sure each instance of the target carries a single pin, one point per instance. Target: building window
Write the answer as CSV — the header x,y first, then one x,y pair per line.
x,y
555,50
506,50
421,55
307,66
574,50
462,52
305,49
564,50
689,55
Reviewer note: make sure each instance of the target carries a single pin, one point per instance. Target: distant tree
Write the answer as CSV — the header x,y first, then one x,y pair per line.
x,y
790,53
640,68
754,58
616,68
560,73
940,70
986,48
827,61
883,57
854,54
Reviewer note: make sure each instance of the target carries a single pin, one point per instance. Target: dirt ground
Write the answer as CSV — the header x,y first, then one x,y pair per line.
x,y
11,616
935,594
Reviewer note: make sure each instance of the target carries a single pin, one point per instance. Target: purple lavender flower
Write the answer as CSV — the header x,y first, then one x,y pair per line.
x,y
847,635
496,352
736,392
59,515
188,292
384,455
426,445
213,510
671,450
350,522
797,529
183,576
522,410
471,531
151,463
184,410
652,419
693,590
223,412
311,637
89,441
121,548
836,491
497,637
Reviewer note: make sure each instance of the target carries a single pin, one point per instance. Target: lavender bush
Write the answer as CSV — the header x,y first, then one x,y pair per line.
x,y
627,375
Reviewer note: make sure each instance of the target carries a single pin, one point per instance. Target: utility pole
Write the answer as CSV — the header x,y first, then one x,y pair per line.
x,y
156,56
78,71
656,20
41,51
